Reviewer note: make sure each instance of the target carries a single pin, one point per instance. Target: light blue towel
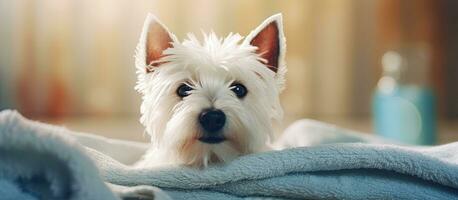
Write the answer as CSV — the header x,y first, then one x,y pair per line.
x,y
343,171
330,171
40,161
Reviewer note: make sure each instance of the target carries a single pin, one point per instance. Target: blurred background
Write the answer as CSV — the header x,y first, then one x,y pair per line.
x,y
71,62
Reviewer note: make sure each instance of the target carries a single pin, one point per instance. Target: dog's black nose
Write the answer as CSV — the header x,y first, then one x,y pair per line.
x,y
212,120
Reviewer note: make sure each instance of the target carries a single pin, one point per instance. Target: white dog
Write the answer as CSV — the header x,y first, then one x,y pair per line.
x,y
209,102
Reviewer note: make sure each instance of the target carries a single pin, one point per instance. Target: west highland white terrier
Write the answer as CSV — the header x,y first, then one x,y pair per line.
x,y
212,101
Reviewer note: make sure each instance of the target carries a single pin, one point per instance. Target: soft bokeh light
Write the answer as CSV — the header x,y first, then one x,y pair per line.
x,y
71,62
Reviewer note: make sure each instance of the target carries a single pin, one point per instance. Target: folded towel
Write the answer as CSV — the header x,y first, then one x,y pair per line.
x,y
344,171
330,171
355,170
39,161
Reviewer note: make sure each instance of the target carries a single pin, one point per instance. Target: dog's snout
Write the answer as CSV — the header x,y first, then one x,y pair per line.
x,y
212,120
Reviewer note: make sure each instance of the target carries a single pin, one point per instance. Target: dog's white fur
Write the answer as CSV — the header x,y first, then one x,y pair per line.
x,y
209,68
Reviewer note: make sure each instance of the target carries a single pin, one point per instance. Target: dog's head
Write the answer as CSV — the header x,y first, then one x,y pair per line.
x,y
210,101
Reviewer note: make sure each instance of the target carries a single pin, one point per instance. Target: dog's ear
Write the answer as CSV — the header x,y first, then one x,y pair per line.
x,y
270,42
155,38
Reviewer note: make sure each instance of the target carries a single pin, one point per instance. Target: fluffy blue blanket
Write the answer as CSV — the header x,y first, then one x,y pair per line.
x,y
327,171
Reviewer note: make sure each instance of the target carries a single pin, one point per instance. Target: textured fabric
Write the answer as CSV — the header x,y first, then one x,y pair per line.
x,y
39,161
360,167
328,171
344,171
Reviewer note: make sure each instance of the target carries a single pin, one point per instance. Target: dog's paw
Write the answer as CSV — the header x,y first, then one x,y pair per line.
x,y
141,192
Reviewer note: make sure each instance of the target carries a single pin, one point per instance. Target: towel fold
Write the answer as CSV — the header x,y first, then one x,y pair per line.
x,y
40,161
374,170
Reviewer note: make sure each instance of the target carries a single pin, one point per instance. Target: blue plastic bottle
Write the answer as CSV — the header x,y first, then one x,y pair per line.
x,y
404,110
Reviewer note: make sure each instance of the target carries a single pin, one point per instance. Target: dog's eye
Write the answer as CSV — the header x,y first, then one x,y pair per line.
x,y
184,90
239,90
